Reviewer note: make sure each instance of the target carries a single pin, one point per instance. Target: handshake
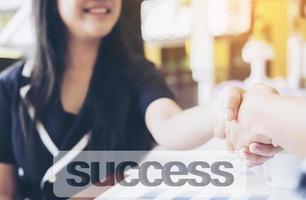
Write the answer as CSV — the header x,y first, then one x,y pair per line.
x,y
243,123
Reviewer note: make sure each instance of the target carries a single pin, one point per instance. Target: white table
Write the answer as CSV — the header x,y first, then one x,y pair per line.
x,y
257,188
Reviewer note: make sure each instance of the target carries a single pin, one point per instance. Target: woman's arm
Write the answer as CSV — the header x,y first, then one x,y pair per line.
x,y
7,182
174,128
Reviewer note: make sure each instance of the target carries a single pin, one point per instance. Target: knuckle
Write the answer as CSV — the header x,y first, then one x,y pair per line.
x,y
231,91
265,87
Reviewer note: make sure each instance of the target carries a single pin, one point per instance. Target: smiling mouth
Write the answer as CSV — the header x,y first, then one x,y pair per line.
x,y
97,10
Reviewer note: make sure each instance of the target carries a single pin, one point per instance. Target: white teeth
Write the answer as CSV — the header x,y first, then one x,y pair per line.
x,y
98,10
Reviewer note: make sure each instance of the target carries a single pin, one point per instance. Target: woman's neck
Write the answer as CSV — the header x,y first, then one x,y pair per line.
x,y
78,73
82,54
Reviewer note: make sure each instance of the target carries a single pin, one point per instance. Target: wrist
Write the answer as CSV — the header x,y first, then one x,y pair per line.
x,y
260,113
215,118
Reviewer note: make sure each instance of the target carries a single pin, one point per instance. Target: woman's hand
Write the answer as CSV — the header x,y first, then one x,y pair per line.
x,y
254,150
227,108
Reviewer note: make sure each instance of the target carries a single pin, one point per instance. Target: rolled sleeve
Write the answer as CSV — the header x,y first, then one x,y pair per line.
x,y
149,83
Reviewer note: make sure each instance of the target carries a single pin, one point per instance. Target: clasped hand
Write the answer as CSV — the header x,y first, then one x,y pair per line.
x,y
241,128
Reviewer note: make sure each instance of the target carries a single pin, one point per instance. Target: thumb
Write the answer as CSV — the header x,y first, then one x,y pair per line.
x,y
264,88
232,99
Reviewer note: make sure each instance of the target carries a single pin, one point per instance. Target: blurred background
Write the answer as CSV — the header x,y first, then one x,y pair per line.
x,y
199,45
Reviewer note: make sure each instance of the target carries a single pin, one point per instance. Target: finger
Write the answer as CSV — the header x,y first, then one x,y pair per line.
x,y
253,158
264,87
262,139
230,149
251,164
247,162
229,145
264,149
231,102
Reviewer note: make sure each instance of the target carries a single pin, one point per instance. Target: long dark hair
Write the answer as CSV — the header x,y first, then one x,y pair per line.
x,y
110,107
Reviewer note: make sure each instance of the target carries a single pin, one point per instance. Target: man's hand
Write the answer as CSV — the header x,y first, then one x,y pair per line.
x,y
253,148
244,135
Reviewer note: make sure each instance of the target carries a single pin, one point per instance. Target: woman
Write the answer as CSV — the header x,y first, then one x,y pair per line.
x,y
84,90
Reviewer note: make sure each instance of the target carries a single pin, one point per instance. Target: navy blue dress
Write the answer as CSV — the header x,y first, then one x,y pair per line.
x,y
302,186
65,129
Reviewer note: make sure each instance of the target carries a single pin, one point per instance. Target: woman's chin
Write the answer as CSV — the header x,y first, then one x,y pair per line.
x,y
95,36
98,32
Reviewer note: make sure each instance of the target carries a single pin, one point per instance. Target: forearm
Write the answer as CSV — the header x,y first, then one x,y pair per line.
x,y
6,197
283,119
7,182
178,129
